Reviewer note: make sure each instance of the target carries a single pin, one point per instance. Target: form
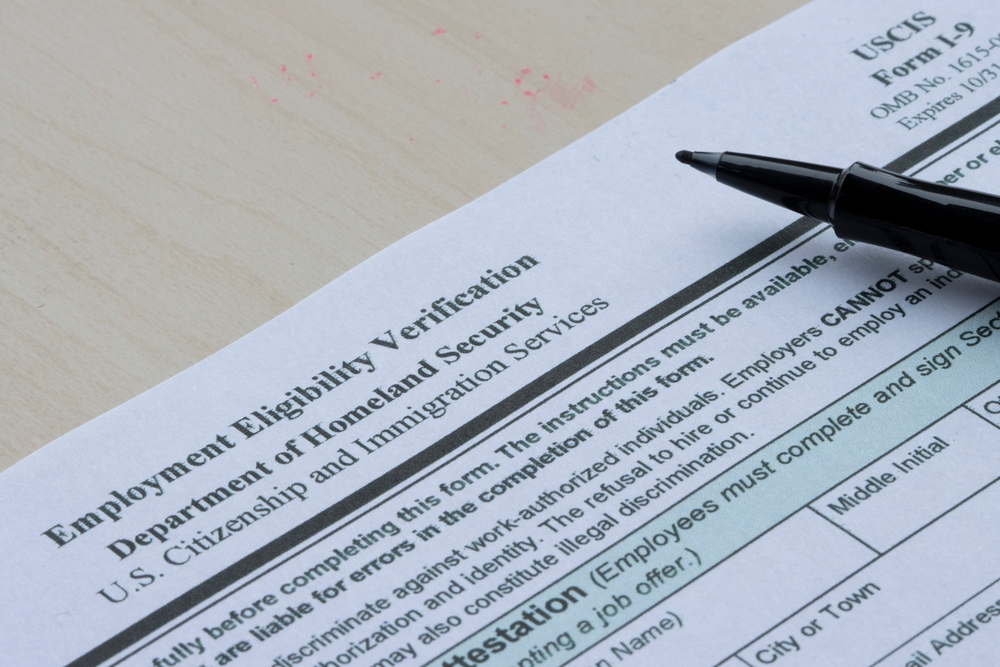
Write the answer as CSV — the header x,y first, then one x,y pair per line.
x,y
609,413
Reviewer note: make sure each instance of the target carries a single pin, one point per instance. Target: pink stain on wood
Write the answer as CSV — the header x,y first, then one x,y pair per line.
x,y
555,97
375,75
545,76
437,80
477,35
526,71
561,97
517,82
504,103
540,123
439,31
288,79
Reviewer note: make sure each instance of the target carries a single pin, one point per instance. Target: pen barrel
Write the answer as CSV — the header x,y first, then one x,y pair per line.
x,y
955,227
798,186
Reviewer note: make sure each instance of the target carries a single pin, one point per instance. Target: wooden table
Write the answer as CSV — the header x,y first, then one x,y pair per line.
x,y
175,173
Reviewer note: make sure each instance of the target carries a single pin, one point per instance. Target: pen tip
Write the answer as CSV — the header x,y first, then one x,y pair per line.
x,y
706,163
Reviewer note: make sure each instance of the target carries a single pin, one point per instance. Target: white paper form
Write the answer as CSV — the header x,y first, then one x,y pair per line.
x,y
611,412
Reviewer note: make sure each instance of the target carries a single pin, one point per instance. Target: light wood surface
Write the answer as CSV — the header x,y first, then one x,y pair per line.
x,y
175,173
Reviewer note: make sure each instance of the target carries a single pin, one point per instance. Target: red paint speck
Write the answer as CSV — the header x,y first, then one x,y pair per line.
x,y
439,31
504,102
312,74
525,72
375,75
517,82
288,79
411,138
545,76
274,100
529,93
255,84
477,35
283,69
309,56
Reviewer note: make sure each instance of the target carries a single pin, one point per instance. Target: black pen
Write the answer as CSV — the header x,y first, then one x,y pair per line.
x,y
958,228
